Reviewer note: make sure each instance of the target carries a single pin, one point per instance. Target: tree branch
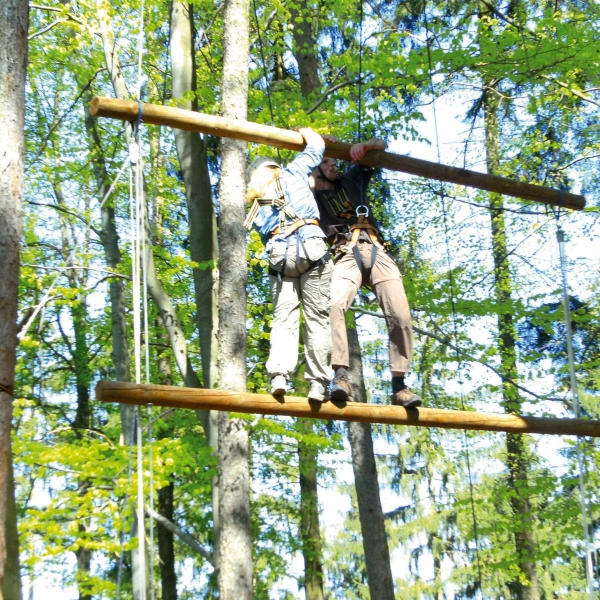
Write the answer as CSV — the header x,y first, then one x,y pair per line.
x,y
571,90
182,535
329,92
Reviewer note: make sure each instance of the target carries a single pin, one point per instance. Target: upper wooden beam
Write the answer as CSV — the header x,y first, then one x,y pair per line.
x,y
127,110
292,406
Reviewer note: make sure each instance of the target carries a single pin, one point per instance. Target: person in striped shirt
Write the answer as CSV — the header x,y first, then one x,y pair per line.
x,y
285,213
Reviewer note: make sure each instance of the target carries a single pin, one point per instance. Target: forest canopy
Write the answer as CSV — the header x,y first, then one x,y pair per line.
x,y
507,88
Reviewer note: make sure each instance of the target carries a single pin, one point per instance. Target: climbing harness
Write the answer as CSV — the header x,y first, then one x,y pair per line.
x,y
289,223
346,243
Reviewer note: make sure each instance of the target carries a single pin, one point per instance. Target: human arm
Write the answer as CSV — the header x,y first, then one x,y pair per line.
x,y
358,151
311,156
311,137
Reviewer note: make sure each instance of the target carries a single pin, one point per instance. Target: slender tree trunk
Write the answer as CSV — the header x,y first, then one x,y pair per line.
x,y
166,546
14,15
377,554
204,248
516,445
110,242
234,544
305,47
310,531
80,358
11,584
191,150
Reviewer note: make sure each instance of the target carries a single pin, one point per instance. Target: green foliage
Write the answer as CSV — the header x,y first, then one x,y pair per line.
x,y
446,496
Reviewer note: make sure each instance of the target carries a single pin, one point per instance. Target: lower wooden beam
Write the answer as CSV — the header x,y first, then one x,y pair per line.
x,y
292,406
155,114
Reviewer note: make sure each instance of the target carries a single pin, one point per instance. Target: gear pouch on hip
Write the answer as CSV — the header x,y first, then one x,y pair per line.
x,y
280,248
316,248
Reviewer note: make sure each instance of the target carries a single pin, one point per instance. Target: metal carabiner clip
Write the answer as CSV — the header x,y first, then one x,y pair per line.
x,y
362,211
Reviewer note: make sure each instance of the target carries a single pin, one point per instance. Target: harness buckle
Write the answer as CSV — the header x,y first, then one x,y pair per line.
x,y
362,211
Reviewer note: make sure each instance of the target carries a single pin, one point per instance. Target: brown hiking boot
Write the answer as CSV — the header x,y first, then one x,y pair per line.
x,y
341,390
406,398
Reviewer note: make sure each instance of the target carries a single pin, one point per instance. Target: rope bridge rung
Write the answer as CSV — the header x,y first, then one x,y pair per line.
x,y
293,406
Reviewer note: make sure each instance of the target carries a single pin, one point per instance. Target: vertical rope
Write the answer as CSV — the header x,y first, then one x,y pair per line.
x,y
360,56
126,506
151,497
264,64
140,505
589,569
454,318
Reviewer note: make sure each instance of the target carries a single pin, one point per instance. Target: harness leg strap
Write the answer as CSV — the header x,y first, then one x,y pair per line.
x,y
374,251
357,258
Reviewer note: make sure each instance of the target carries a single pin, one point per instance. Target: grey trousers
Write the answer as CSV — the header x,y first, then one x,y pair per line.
x,y
312,288
386,282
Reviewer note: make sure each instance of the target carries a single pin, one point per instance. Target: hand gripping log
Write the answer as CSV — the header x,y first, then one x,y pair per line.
x,y
127,110
292,406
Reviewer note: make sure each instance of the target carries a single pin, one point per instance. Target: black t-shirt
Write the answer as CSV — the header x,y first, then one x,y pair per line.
x,y
337,206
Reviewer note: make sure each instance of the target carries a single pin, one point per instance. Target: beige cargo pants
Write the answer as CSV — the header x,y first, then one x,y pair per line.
x,y
312,288
386,282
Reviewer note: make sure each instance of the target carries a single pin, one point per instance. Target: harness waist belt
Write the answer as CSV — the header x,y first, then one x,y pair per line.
x,y
287,231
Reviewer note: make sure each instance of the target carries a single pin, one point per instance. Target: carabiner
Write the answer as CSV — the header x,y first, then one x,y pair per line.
x,y
362,210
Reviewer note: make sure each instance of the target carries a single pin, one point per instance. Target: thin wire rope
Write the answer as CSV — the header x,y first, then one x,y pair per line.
x,y
151,494
126,506
454,315
134,208
140,267
264,64
140,506
589,569
360,66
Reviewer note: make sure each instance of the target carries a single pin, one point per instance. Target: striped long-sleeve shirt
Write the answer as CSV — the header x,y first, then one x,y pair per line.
x,y
298,195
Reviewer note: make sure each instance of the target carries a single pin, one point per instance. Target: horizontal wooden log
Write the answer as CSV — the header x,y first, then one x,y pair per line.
x,y
127,110
292,406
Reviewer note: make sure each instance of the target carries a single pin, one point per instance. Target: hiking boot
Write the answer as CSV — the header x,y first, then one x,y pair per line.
x,y
278,385
316,392
406,398
341,390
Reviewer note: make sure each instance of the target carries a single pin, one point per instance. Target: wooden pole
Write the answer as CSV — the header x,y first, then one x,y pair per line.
x,y
292,406
127,110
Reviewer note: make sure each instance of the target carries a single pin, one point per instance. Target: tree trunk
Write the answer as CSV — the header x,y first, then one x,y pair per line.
x,y
191,151
516,446
377,554
110,242
305,47
14,15
204,247
166,546
234,543
80,358
11,584
310,531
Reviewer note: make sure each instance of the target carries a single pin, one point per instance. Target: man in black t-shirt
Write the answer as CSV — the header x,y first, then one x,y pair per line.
x,y
360,259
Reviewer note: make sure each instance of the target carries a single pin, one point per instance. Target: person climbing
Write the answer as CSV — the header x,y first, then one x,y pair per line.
x,y
285,213
360,259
